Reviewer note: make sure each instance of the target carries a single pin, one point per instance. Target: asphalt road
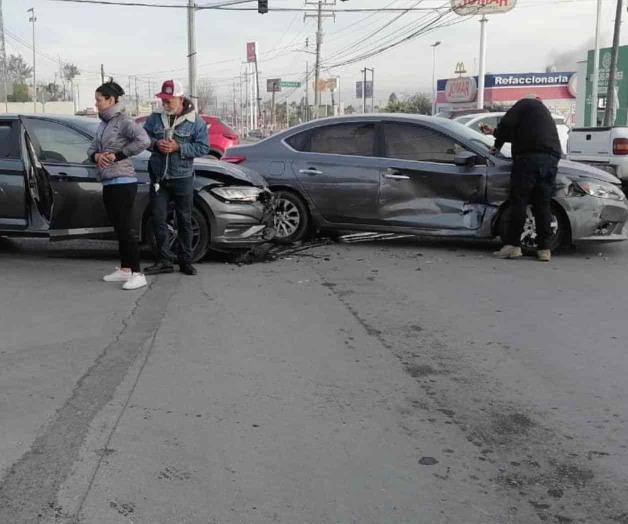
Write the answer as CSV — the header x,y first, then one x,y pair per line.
x,y
383,381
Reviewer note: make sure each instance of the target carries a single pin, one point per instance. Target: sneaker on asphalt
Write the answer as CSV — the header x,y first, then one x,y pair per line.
x,y
118,276
187,269
544,255
135,282
508,252
162,266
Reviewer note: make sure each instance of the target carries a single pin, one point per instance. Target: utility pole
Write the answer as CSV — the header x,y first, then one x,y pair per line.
x,y
319,42
192,51
3,57
364,71
595,80
434,87
609,114
234,119
482,73
33,19
102,73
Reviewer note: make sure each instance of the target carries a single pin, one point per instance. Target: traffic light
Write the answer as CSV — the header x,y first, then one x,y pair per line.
x,y
262,6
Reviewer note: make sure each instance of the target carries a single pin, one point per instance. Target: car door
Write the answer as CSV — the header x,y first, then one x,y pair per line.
x,y
421,186
13,204
61,152
336,167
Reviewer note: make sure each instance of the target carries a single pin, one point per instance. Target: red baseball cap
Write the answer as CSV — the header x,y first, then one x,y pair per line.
x,y
170,89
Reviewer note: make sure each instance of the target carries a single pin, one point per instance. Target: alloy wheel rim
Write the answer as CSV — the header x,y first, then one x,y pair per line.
x,y
287,218
528,236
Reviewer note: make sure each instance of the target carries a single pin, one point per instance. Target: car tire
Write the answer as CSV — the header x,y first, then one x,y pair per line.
x,y
560,228
292,220
200,230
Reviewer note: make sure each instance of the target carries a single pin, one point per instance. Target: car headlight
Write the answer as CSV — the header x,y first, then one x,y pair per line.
x,y
600,190
237,194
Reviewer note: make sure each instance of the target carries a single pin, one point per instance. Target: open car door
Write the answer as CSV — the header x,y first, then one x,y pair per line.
x,y
58,155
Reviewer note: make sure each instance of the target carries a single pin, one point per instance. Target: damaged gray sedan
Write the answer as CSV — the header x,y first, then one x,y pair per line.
x,y
417,175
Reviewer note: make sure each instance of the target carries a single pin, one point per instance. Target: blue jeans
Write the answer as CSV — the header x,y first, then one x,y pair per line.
x,y
181,192
532,182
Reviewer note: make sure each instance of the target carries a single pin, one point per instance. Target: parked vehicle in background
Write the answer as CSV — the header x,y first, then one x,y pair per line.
x,y
221,136
476,120
603,147
49,188
417,175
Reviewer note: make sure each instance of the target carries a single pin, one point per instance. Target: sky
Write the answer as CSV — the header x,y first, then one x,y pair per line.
x,y
151,43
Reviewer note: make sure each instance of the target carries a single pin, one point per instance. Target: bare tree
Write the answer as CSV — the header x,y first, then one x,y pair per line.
x,y
205,92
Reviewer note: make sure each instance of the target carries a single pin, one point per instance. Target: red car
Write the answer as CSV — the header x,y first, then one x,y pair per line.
x,y
220,135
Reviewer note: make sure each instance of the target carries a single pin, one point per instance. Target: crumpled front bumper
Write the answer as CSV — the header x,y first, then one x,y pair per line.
x,y
241,225
597,219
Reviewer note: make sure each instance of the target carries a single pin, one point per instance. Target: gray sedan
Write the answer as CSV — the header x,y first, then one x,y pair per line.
x,y
417,175
48,187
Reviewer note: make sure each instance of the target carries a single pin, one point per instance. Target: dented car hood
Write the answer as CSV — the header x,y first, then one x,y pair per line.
x,y
572,169
222,172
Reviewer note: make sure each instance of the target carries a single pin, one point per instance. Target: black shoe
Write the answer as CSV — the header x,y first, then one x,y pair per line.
x,y
187,269
162,266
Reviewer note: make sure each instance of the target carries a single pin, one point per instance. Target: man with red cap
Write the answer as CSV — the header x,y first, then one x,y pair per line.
x,y
178,135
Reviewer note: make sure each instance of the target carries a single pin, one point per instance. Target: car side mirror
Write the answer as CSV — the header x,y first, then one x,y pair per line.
x,y
465,159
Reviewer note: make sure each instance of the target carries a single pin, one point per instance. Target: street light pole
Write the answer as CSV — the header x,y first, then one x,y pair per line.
x,y
434,87
609,113
192,51
33,19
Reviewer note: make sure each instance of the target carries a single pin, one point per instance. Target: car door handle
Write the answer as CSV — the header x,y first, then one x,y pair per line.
x,y
310,171
393,174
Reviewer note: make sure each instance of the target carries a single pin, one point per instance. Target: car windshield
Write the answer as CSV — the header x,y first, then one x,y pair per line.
x,y
463,119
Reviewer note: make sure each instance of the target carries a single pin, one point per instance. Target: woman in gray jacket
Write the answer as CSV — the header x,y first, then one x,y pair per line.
x,y
117,139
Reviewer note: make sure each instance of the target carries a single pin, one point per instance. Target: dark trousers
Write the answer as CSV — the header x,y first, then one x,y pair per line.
x,y
119,200
532,182
181,192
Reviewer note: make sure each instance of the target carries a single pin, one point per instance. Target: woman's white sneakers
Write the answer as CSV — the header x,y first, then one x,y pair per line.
x,y
137,281
131,280
118,276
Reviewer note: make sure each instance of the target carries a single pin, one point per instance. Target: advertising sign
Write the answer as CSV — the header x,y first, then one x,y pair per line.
x,y
273,85
621,85
482,7
369,89
462,89
251,51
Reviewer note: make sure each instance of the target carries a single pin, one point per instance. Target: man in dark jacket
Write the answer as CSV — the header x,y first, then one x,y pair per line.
x,y
178,135
536,150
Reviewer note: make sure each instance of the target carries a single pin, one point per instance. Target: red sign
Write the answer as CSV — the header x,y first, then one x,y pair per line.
x,y
251,51
461,89
482,7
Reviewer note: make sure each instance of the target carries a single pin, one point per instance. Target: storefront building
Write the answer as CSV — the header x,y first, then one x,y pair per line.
x,y
557,90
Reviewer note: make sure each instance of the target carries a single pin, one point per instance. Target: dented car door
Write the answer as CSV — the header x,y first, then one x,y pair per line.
x,y
421,186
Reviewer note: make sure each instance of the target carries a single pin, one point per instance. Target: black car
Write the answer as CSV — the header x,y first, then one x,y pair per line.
x,y
48,187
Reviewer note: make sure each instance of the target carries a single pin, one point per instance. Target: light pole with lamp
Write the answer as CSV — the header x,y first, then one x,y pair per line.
x,y
434,89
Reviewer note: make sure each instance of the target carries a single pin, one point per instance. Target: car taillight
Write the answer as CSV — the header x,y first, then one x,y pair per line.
x,y
620,146
233,159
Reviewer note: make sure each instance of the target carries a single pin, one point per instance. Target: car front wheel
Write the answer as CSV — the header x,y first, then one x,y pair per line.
x,y
558,224
291,218
200,234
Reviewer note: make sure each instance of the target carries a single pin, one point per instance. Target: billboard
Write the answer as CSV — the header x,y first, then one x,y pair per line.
x,y
251,51
369,89
621,85
273,85
482,7
461,89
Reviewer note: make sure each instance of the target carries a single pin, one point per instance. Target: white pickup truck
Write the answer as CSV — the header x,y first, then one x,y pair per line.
x,y
603,147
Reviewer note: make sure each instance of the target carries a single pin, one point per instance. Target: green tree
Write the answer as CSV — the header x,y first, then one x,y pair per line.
x,y
419,103
20,93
